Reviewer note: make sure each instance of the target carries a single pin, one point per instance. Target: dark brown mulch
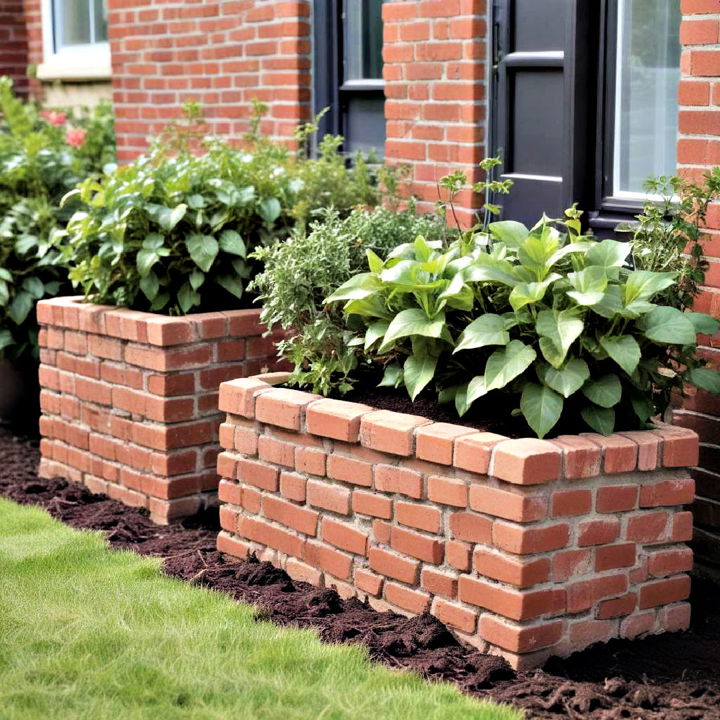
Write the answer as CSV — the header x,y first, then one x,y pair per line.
x,y
672,677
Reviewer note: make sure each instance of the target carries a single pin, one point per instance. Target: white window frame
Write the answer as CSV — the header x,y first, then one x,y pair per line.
x,y
79,62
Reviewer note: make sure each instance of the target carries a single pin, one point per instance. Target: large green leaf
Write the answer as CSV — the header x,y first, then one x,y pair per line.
x,y
668,326
476,389
203,250
231,242
34,286
611,303
269,210
510,232
706,379
20,307
528,293
168,218
145,260
150,286
374,332
392,377
232,283
608,253
6,339
643,284
588,285
624,350
567,380
488,329
418,371
413,321
490,269
605,392
187,298
507,364
361,285
541,407
703,323
537,249
600,419
558,330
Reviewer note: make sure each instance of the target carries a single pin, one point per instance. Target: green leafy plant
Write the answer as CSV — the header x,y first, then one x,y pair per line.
x,y
299,273
174,231
552,318
668,234
43,154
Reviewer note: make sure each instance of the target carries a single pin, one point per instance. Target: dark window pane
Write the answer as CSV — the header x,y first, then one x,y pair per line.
x,y
362,25
540,25
100,8
365,124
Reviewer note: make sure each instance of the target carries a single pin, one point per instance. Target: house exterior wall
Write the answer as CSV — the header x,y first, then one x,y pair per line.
x,y
699,150
14,44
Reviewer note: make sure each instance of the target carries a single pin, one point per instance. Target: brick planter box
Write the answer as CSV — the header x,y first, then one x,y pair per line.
x,y
129,399
527,548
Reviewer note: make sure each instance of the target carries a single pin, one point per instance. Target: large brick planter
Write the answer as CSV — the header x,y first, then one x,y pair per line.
x,y
129,399
527,548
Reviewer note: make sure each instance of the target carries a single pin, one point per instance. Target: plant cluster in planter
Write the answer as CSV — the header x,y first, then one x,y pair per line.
x,y
43,155
563,325
174,231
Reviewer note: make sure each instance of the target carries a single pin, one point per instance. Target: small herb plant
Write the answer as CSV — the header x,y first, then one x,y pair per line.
x,y
668,234
553,318
300,272
173,232
43,154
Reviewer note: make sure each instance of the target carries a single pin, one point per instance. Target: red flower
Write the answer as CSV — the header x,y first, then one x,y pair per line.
x,y
54,118
75,137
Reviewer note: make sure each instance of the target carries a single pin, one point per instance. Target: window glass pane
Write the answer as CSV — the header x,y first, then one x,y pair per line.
x,y
362,41
72,23
646,105
100,10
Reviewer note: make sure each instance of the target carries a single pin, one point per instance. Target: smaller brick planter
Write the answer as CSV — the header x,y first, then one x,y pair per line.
x,y
129,399
527,548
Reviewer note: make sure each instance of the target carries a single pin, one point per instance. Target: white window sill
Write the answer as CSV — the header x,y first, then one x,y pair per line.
x,y
91,67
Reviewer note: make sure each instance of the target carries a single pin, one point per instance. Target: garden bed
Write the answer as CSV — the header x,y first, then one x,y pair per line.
x,y
524,547
129,399
670,677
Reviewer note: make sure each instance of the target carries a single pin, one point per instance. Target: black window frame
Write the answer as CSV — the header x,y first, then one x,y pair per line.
x,y
330,90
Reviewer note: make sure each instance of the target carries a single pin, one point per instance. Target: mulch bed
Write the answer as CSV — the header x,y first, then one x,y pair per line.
x,y
671,677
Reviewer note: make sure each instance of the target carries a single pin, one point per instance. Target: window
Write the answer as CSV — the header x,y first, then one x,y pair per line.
x,y
585,107
75,38
647,73
348,72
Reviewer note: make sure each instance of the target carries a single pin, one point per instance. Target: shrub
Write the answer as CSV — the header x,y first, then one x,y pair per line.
x,y
43,154
174,231
668,234
299,273
551,317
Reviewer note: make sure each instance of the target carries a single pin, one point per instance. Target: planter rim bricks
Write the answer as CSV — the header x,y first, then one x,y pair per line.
x,y
523,547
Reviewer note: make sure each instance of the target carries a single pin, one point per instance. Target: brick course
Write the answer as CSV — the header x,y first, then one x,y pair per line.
x,y
542,553
130,401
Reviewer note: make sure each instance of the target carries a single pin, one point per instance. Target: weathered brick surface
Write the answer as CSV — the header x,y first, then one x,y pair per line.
x,y
128,407
545,548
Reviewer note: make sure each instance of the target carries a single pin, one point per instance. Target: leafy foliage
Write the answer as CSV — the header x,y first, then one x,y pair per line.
x,y
554,318
300,272
38,165
668,234
173,232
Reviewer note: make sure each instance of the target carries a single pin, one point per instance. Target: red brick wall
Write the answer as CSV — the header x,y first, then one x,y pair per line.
x,y
13,44
698,150
436,91
222,53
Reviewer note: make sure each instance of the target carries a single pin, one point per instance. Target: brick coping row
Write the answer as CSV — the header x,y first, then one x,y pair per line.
x,y
74,313
521,461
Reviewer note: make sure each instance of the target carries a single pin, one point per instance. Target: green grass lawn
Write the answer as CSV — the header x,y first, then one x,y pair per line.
x,y
89,632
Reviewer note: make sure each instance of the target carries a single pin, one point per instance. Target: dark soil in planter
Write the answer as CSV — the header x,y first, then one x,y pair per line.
x,y
671,677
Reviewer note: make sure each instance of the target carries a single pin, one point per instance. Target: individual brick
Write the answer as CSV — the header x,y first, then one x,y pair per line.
x,y
647,527
237,397
418,516
510,504
337,563
584,594
520,573
587,632
230,545
529,540
328,496
664,592
616,498
617,607
680,446
350,470
581,456
526,461
434,442
393,565
520,638
673,491
311,461
265,477
471,527
637,625
390,432
648,448
368,582
391,479
298,518
345,537
303,572
598,532
425,548
447,491
276,452
415,601
511,603
370,503
473,452
336,419
664,562
569,503
455,615
293,486
265,533
282,407
612,557
458,555
674,618
165,331
681,527
438,583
